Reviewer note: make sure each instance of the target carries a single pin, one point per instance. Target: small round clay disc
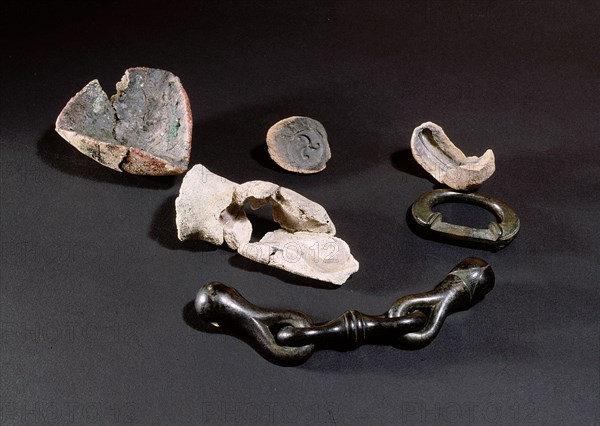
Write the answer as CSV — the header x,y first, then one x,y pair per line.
x,y
299,144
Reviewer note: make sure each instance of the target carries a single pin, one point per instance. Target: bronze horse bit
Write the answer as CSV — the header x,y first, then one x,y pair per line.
x,y
290,337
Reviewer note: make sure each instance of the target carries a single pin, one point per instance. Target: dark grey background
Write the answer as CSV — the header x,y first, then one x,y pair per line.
x,y
95,283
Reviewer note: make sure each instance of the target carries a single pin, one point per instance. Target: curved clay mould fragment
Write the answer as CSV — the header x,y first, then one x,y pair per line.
x,y
436,153
144,129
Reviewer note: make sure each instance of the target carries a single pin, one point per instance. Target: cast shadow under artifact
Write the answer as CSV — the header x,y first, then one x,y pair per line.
x,y
239,261
260,154
164,230
404,161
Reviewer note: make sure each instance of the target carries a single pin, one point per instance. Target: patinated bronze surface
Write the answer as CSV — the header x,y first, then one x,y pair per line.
x,y
497,235
299,144
290,337
144,129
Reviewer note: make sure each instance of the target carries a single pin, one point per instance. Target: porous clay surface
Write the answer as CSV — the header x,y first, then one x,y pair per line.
x,y
211,208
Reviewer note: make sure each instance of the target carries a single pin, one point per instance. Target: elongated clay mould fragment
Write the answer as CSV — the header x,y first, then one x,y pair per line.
x,y
211,208
313,255
436,153
299,144
144,129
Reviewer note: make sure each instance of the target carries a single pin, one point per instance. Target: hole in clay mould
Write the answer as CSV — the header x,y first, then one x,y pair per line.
x,y
261,220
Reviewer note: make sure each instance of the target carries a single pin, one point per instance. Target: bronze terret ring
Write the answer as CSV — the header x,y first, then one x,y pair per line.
x,y
497,235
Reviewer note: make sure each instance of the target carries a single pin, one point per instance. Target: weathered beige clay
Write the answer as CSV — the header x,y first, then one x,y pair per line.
x,y
292,211
308,254
436,153
211,208
203,197
144,129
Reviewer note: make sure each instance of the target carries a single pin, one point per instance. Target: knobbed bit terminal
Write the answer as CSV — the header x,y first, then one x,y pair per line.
x,y
224,307
290,337
464,286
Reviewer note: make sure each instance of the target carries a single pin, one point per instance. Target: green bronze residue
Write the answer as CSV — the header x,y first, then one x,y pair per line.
x,y
174,128
174,123
145,113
